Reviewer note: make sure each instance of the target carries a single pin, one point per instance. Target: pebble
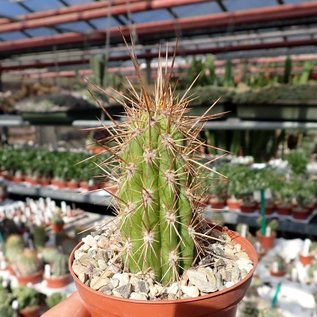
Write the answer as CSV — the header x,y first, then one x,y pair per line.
x,y
89,240
97,282
139,296
123,291
199,279
123,278
190,291
173,289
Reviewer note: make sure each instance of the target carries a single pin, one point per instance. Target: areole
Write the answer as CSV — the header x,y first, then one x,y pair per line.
x,y
219,304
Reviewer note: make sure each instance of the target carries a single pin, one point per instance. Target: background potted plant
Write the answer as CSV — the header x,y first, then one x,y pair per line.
x,y
28,301
28,267
14,246
278,266
267,236
5,303
218,186
57,222
58,275
54,299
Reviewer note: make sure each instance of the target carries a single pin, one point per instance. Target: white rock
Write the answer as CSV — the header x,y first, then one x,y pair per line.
x,y
199,279
97,282
139,296
229,284
89,240
123,278
244,264
102,264
123,291
173,289
190,291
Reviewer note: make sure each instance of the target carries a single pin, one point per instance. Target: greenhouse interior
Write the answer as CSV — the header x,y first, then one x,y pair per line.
x,y
158,158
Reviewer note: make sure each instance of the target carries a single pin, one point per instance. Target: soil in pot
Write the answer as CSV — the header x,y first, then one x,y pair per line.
x,y
58,282
267,242
300,213
102,298
33,279
30,312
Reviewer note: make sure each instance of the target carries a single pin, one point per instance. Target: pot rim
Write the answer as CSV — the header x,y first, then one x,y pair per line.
x,y
234,235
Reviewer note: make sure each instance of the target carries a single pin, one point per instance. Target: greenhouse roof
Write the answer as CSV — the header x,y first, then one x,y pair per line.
x,y
43,34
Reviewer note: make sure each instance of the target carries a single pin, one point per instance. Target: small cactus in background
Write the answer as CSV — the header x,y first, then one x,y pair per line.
x,y
59,265
228,77
26,297
159,180
7,311
57,218
287,70
48,254
13,247
39,236
28,263
54,299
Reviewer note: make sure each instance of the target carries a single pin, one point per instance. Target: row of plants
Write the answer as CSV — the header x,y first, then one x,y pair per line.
x,y
25,301
44,167
287,193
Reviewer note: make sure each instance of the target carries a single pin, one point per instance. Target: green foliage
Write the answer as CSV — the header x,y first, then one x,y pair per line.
x,y
28,263
297,161
98,64
26,296
39,236
5,296
54,299
249,309
57,218
287,70
7,311
48,254
228,80
308,68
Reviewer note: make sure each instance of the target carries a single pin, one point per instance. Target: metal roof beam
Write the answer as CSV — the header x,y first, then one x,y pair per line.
x,y
222,6
86,15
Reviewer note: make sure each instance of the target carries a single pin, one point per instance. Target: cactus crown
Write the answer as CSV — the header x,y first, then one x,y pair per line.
x,y
159,185
26,296
13,246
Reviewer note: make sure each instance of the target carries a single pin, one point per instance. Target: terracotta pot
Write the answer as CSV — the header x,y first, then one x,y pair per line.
x,y
58,282
33,279
10,269
300,213
234,204
86,186
284,210
43,181
217,204
247,208
30,312
72,184
277,274
57,227
58,183
267,243
306,260
219,304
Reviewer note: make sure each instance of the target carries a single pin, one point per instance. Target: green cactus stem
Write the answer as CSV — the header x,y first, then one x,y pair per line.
x,y
13,247
59,265
28,263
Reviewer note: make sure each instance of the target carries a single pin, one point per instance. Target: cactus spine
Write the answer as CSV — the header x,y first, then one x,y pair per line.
x,y
158,180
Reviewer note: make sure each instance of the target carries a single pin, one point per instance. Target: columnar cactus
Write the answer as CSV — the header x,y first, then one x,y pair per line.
x,y
28,263
158,180
13,247
59,265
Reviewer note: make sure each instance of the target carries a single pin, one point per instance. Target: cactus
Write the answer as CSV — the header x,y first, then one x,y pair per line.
x,y
287,70
7,311
48,254
210,68
5,296
54,299
13,247
304,78
228,77
98,64
59,265
28,263
57,218
159,181
26,297
39,236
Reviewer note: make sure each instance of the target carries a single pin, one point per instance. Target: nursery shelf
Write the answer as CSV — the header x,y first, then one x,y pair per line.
x,y
285,225
99,198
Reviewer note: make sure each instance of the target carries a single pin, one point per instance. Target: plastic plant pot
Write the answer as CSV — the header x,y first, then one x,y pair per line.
x,y
269,209
72,185
300,213
218,304
57,227
247,208
217,204
33,278
284,210
58,282
267,242
277,273
306,259
234,204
